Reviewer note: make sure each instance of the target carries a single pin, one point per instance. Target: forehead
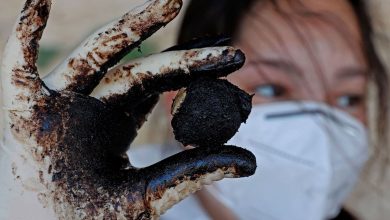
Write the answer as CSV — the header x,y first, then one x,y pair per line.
x,y
340,11
321,25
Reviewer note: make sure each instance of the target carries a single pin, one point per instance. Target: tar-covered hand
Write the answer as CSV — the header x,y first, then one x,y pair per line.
x,y
63,155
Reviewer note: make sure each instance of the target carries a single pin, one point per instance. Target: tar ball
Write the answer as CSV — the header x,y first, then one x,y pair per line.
x,y
209,112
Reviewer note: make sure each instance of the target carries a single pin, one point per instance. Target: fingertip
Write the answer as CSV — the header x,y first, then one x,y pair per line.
x,y
239,58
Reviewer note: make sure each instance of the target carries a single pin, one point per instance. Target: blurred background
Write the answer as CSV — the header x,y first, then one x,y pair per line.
x,y
73,20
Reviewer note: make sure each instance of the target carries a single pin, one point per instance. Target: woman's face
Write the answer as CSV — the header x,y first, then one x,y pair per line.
x,y
307,50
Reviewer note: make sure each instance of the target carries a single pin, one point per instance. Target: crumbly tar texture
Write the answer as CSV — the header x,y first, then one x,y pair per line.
x,y
210,113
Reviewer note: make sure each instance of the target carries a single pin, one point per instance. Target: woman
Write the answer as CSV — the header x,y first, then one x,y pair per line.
x,y
309,64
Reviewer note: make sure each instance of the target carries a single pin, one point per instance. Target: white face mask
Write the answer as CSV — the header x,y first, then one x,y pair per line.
x,y
309,157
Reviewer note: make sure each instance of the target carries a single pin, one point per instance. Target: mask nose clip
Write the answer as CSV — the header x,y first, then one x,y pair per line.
x,y
346,127
300,112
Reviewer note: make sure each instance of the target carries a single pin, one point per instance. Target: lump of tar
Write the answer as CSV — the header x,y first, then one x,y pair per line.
x,y
209,112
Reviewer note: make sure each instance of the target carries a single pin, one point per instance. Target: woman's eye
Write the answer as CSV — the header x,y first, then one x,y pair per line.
x,y
348,101
270,91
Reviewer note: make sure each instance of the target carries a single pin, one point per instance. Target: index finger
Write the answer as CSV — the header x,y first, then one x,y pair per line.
x,y
84,68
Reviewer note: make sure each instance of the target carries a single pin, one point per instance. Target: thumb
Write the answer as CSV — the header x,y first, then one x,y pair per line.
x,y
171,180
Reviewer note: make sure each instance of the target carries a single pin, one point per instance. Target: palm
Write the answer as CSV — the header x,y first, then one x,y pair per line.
x,y
74,126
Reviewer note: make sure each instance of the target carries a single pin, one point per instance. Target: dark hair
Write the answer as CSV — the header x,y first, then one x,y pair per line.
x,y
379,76
223,17
213,17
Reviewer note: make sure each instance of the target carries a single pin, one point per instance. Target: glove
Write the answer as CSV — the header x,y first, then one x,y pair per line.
x,y
63,155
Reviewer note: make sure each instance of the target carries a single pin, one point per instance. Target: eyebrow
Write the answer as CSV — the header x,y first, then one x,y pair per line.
x,y
284,65
347,73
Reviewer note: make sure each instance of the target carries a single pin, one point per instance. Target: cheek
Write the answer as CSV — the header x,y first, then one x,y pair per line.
x,y
257,100
246,79
363,118
238,80
360,114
